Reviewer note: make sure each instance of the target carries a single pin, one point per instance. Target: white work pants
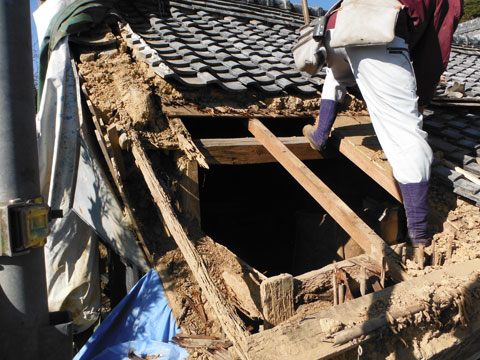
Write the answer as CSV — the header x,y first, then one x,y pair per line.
x,y
385,77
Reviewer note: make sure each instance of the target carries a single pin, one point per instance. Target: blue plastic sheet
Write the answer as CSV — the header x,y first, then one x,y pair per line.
x,y
142,322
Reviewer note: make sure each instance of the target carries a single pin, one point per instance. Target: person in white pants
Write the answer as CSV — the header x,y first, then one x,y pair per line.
x,y
386,79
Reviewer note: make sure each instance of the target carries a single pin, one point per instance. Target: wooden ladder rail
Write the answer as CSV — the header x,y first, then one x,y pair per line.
x,y
368,240
231,323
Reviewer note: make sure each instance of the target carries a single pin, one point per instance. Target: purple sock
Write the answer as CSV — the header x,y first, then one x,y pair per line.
x,y
328,113
416,208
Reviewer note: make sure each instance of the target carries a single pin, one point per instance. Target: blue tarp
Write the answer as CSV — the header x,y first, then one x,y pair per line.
x,y
142,322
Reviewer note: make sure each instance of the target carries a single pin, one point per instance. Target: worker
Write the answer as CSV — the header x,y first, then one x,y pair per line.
x,y
396,81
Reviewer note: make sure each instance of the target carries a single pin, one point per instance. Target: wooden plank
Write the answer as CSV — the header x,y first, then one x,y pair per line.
x,y
231,323
305,336
355,138
370,242
238,151
245,295
322,278
185,141
116,151
189,191
276,293
188,111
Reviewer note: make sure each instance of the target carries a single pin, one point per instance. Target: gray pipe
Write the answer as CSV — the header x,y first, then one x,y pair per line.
x,y
23,294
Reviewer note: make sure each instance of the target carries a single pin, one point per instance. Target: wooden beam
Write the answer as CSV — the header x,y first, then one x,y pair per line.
x,y
189,111
355,138
230,321
189,192
239,151
370,242
185,141
276,293
314,280
308,336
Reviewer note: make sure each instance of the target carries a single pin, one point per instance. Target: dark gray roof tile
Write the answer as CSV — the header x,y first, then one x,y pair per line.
x,y
307,89
264,79
225,76
190,81
472,132
473,167
445,172
246,64
283,83
468,143
247,81
238,71
220,69
271,88
232,64
235,86
200,66
451,133
208,78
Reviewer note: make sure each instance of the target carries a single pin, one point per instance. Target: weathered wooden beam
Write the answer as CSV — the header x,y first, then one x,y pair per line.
x,y
239,151
188,111
276,293
185,141
370,242
322,280
305,336
189,191
355,138
230,321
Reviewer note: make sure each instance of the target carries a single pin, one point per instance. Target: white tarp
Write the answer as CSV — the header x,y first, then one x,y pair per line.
x,y
71,180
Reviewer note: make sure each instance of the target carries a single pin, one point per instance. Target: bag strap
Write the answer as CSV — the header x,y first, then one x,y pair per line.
x,y
333,8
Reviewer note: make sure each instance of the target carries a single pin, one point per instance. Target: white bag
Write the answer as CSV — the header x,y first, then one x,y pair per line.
x,y
309,54
365,22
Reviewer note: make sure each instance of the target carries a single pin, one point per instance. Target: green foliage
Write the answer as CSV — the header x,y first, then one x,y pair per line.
x,y
471,10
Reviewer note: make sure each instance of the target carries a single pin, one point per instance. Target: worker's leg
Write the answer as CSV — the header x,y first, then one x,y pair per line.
x,y
339,75
333,92
386,79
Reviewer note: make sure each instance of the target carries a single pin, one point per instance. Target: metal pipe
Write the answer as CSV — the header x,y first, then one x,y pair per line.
x,y
23,294
306,14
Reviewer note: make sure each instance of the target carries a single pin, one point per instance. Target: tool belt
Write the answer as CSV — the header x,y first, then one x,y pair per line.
x,y
365,22
309,52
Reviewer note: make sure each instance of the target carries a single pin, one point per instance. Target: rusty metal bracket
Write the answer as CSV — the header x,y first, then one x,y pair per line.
x,y
23,225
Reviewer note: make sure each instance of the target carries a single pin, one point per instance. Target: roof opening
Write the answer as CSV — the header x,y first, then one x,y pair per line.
x,y
266,218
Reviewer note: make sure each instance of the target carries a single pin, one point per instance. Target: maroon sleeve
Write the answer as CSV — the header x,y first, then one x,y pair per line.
x,y
430,29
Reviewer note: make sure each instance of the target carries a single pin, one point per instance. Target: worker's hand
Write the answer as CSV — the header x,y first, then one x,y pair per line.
x,y
421,108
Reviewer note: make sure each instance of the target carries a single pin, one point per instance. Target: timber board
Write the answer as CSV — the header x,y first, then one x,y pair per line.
x,y
355,138
239,151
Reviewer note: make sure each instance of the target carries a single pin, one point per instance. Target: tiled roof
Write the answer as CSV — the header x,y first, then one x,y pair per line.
x,y
468,33
247,44
463,69
457,135
232,44
462,77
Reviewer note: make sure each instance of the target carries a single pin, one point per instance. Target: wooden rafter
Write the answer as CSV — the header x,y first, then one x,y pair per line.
x,y
355,138
239,151
370,242
230,321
